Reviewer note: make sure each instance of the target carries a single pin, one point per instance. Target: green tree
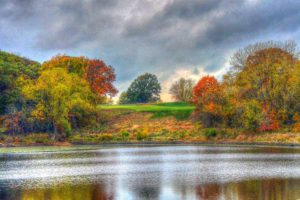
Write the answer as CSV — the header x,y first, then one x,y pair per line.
x,y
11,67
144,89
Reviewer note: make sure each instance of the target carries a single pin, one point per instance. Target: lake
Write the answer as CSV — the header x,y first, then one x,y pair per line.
x,y
151,172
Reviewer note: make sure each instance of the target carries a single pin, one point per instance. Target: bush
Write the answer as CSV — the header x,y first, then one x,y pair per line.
x,y
37,138
141,136
106,137
210,132
3,137
124,135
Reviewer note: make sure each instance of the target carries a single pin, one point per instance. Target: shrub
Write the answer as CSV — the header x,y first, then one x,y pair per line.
x,y
210,132
37,138
141,135
125,135
106,137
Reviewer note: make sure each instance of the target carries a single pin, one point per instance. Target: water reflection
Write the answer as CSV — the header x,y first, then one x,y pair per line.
x,y
179,172
255,189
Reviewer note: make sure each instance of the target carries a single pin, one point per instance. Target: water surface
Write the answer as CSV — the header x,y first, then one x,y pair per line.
x,y
152,172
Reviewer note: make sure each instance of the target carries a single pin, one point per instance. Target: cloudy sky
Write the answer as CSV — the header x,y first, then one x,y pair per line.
x,y
171,38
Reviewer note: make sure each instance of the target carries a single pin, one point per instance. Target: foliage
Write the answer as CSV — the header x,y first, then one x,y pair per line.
x,y
144,89
75,65
34,139
95,71
60,97
123,99
11,67
259,93
100,76
207,96
141,135
239,58
182,90
251,115
210,132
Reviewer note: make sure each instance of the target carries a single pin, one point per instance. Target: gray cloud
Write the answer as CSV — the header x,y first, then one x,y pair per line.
x,y
137,36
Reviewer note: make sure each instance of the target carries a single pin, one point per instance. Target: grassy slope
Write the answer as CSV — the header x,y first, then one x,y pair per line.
x,y
178,110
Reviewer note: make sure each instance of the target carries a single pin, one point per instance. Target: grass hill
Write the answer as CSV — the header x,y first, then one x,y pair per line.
x,y
177,109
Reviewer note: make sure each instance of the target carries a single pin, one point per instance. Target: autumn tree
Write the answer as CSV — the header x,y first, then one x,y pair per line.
x,y
239,58
100,77
58,96
262,85
144,89
207,96
72,64
182,90
95,71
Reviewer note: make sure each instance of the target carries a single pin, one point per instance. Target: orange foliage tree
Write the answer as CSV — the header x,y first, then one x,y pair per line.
x,y
100,76
207,96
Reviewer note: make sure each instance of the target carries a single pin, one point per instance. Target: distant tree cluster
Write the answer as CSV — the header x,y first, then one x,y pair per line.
x,y
261,91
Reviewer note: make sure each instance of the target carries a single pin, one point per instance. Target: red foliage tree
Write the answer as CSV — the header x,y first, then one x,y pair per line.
x,y
100,76
207,96
206,91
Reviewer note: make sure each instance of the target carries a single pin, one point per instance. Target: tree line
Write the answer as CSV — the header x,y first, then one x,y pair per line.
x,y
260,92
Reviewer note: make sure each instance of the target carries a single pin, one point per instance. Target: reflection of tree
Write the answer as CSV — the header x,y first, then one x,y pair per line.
x,y
147,192
144,187
282,189
99,192
7,193
69,192
268,189
208,191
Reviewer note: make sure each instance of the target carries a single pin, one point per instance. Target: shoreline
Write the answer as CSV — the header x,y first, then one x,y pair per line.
x,y
150,143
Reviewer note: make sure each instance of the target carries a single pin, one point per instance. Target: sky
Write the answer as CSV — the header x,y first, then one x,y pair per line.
x,y
170,38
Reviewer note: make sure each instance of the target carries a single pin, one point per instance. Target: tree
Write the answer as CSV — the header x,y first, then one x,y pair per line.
x,y
265,79
208,98
100,76
58,96
182,90
144,89
239,59
96,72
75,65
11,67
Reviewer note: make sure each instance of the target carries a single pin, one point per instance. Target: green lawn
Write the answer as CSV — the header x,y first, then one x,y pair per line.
x,y
152,107
178,110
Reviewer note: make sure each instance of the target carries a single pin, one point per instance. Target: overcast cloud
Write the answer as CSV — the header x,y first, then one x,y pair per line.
x,y
170,38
